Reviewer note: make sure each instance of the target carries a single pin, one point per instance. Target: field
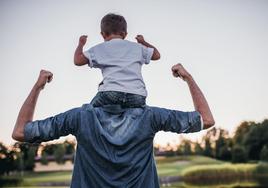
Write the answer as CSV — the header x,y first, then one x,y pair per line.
x,y
187,170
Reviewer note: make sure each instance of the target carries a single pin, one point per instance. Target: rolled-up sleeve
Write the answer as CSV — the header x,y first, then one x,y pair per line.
x,y
90,55
176,121
147,54
53,127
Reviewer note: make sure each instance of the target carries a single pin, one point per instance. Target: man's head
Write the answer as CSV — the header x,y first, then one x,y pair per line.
x,y
113,24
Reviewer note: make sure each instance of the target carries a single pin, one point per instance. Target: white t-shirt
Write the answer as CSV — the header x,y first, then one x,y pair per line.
x,y
120,62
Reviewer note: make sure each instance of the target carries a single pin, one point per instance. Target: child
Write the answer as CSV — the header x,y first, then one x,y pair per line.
x,y
120,62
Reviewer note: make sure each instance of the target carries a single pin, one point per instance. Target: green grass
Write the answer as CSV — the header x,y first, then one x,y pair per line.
x,y
35,178
174,166
198,167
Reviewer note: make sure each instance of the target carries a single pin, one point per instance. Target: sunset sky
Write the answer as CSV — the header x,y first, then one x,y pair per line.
x,y
223,44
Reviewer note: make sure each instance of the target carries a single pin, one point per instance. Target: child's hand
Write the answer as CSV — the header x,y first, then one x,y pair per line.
x,y
140,39
83,40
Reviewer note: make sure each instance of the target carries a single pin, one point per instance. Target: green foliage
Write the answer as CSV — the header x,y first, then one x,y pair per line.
x,y
59,154
264,153
208,149
221,145
252,136
239,154
27,155
49,149
222,171
225,153
43,159
69,148
187,147
241,131
198,150
7,160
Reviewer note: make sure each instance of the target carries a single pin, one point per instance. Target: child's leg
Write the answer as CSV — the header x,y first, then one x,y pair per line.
x,y
127,100
134,101
106,98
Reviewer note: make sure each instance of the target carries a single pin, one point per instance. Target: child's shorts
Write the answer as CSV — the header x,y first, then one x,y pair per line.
x,y
126,100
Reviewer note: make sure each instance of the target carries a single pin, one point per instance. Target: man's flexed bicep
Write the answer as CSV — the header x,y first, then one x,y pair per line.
x,y
53,127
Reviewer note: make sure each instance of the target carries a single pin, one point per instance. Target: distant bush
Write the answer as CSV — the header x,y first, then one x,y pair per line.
x,y
222,171
239,154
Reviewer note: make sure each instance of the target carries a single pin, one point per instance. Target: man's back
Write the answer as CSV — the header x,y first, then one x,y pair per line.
x,y
112,149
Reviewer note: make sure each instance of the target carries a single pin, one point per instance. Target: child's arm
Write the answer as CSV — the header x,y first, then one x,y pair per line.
x,y
79,58
156,54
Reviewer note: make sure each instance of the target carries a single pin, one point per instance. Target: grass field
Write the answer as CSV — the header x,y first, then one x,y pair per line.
x,y
175,166
188,166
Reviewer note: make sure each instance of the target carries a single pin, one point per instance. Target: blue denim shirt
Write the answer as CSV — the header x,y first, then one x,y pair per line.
x,y
114,145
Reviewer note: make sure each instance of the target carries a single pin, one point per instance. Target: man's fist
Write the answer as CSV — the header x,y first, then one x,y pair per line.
x,y
179,71
140,39
44,77
83,40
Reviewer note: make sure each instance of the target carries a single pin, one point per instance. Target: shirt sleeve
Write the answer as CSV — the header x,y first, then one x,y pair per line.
x,y
53,127
176,121
92,60
147,54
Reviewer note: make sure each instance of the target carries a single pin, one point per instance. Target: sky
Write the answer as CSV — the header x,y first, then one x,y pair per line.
x,y
223,44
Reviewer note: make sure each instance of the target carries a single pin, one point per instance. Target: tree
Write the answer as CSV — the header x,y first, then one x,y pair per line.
x,y
27,154
208,149
221,143
69,148
198,150
59,153
241,132
264,153
8,160
187,147
43,159
239,154
225,153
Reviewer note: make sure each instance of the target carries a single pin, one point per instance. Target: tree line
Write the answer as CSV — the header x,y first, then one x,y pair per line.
x,y
249,143
22,156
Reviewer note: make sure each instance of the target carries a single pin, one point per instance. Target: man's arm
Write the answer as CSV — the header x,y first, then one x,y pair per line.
x,y
156,54
79,57
199,100
27,110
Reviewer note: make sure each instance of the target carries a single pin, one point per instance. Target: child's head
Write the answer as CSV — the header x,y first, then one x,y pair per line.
x,y
113,24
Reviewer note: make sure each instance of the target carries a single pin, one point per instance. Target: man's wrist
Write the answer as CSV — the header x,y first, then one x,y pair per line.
x,y
188,78
37,87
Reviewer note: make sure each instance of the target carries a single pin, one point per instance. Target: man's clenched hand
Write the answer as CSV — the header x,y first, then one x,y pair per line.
x,y
179,71
44,77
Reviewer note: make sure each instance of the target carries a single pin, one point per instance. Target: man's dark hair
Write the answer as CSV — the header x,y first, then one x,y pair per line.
x,y
113,24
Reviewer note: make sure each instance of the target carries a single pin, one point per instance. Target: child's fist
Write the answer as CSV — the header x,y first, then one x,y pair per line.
x,y
140,39
83,40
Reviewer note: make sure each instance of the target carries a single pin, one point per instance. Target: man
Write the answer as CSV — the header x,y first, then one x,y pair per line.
x,y
114,145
